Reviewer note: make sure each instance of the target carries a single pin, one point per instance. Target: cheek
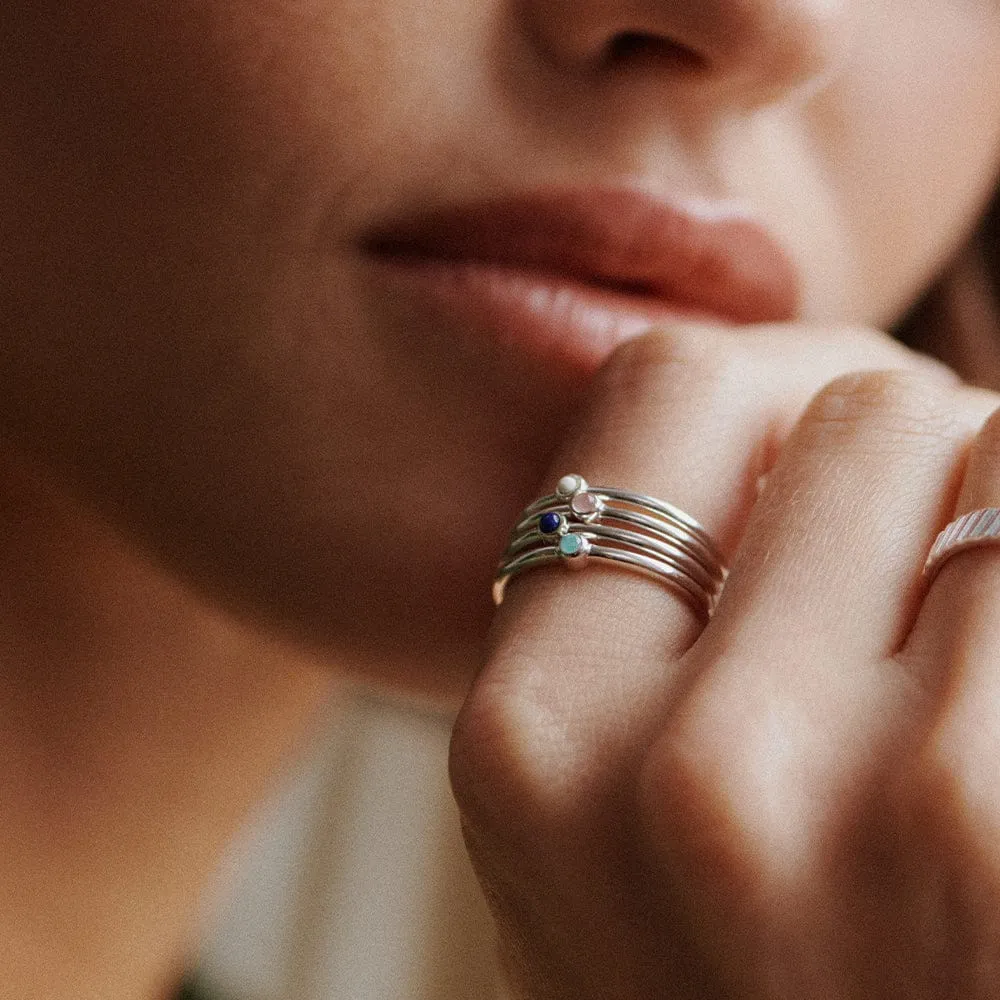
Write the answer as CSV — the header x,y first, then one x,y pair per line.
x,y
912,134
185,334
170,158
192,175
200,129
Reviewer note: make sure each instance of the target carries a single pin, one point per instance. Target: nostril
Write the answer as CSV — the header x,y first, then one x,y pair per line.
x,y
639,46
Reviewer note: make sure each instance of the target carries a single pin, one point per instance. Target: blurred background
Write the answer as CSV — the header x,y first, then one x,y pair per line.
x,y
351,881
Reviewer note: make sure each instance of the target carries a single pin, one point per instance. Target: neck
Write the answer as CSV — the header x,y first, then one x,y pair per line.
x,y
137,729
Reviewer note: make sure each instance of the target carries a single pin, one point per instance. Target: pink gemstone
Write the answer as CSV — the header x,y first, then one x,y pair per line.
x,y
584,504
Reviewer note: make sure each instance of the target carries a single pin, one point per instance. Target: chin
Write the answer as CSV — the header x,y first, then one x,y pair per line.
x,y
402,603
425,645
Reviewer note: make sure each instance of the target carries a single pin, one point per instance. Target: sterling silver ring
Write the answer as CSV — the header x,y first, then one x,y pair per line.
x,y
579,523
980,527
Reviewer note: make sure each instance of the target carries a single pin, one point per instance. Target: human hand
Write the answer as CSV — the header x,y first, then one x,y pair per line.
x,y
800,799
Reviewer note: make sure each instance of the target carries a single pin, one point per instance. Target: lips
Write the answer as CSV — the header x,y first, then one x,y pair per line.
x,y
547,270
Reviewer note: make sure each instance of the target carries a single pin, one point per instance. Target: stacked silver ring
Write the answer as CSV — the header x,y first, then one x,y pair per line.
x,y
579,522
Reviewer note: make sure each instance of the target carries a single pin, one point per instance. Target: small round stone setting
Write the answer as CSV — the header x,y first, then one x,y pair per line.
x,y
585,505
569,485
574,550
549,524
571,546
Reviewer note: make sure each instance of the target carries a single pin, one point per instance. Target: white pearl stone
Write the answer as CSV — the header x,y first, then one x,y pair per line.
x,y
568,485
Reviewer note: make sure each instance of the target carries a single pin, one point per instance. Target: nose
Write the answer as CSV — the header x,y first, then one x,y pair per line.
x,y
753,51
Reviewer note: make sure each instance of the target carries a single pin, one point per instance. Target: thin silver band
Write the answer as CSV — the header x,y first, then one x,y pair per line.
x,y
654,548
980,527
696,596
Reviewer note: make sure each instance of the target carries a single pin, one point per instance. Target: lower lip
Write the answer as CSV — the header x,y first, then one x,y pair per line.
x,y
554,319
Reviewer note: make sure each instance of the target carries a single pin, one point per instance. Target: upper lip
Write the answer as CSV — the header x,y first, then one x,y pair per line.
x,y
622,240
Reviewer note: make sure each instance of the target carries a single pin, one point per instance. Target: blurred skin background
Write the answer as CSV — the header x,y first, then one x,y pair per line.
x,y
236,451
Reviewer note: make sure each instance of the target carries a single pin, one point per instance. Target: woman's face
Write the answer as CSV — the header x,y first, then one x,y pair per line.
x,y
200,337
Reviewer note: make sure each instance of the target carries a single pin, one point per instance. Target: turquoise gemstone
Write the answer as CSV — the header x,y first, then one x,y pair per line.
x,y
570,545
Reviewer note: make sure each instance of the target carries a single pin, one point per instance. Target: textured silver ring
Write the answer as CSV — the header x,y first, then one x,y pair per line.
x,y
579,522
980,527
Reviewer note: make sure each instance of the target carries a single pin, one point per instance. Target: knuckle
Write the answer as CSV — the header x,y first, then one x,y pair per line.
x,y
664,345
507,763
885,408
857,341
686,355
884,351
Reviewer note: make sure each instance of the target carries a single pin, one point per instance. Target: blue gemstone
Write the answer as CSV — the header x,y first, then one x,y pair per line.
x,y
548,524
